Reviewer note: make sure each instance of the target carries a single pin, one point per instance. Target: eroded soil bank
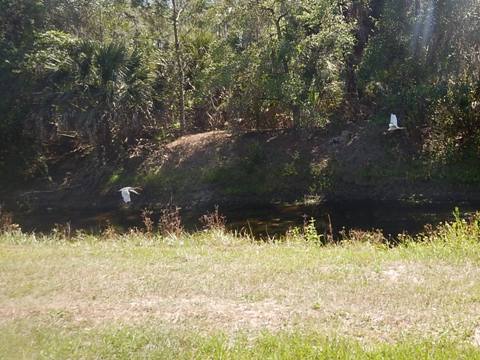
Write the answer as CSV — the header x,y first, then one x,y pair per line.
x,y
234,170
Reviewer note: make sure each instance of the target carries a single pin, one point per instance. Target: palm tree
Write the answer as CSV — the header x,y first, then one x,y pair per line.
x,y
106,93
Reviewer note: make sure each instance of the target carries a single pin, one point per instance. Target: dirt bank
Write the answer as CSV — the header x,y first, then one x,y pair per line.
x,y
357,162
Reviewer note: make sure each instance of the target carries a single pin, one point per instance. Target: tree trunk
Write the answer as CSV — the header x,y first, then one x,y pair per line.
x,y
181,74
417,7
296,113
364,15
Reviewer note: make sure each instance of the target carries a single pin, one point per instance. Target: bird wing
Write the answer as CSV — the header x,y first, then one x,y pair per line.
x,y
125,195
393,120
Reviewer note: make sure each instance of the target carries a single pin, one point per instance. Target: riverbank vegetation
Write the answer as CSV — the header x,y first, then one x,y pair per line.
x,y
114,76
217,294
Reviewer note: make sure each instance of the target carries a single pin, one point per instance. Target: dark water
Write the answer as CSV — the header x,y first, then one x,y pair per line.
x,y
392,218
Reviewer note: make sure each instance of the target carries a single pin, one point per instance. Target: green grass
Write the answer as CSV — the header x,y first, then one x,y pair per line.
x,y
219,295
150,342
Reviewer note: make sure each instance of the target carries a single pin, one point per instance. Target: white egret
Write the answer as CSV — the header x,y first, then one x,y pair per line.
x,y
394,123
126,193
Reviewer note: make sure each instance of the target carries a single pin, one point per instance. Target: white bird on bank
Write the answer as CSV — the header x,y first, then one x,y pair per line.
x,y
394,123
126,193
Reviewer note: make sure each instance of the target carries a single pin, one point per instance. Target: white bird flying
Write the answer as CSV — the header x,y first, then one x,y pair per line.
x,y
126,193
394,123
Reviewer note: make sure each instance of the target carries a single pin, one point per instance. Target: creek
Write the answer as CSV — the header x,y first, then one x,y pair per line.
x,y
392,218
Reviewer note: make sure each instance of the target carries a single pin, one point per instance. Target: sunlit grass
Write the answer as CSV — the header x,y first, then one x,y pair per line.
x,y
151,342
216,294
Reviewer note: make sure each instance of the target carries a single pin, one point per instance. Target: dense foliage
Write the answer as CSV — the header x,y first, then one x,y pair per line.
x,y
114,71
424,62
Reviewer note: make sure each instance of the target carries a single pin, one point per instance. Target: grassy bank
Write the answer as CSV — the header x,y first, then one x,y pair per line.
x,y
217,295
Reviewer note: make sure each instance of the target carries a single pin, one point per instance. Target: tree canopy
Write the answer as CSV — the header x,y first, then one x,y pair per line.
x,y
114,71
